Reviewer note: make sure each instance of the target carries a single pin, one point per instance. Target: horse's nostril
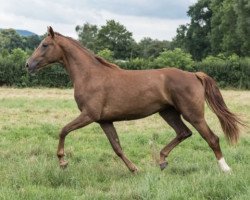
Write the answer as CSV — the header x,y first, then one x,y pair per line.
x,y
27,65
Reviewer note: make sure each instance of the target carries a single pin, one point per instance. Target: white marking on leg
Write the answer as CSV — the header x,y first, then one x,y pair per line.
x,y
223,165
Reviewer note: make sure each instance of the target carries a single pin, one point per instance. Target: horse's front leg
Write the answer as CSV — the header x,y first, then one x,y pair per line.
x,y
82,120
112,136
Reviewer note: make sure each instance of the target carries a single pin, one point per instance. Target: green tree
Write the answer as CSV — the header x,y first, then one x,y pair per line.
x,y
148,47
12,67
10,39
18,56
4,53
216,35
31,42
242,9
230,27
231,42
115,37
106,54
194,37
198,43
179,40
87,35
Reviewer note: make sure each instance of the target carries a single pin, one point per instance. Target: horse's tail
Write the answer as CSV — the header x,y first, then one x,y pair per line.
x,y
228,120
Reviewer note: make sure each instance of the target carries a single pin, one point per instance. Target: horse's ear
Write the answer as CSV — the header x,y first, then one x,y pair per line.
x,y
51,31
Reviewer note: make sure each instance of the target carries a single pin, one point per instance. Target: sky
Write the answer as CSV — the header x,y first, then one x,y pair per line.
x,y
157,19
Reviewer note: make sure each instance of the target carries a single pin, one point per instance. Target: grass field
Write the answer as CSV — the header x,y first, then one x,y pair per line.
x,y
32,118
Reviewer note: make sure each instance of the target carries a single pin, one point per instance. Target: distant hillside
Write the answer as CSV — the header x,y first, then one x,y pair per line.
x,y
23,32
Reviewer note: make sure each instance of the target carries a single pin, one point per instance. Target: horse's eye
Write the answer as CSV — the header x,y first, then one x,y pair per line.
x,y
45,45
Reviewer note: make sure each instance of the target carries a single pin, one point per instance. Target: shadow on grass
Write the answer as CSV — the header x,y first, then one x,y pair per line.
x,y
84,175
184,170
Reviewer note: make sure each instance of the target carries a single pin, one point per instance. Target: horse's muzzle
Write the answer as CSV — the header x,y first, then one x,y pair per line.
x,y
31,66
27,65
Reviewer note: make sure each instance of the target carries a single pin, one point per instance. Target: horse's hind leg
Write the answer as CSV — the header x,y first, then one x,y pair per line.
x,y
212,140
172,117
112,136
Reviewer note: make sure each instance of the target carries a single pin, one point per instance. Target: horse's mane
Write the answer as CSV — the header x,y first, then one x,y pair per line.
x,y
97,58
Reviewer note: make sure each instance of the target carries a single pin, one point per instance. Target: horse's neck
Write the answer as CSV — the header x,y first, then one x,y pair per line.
x,y
78,63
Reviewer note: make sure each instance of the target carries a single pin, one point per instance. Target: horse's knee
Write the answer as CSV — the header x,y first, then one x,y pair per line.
x,y
183,135
187,134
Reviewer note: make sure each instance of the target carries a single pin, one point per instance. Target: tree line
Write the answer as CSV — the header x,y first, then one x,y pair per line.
x,y
217,26
215,41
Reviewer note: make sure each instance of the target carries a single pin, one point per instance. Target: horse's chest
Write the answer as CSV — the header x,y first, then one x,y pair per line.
x,y
82,99
90,102
79,101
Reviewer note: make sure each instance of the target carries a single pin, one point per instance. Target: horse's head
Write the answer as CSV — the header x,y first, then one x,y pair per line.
x,y
46,53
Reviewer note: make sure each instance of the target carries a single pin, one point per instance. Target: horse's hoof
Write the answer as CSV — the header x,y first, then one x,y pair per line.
x,y
163,165
63,164
134,170
227,171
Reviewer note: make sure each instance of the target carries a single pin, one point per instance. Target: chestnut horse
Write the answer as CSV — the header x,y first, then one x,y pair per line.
x,y
106,93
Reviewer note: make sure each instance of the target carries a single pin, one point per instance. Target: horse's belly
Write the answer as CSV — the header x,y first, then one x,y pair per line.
x,y
132,110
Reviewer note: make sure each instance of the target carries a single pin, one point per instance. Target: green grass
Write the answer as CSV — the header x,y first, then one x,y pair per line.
x,y
32,118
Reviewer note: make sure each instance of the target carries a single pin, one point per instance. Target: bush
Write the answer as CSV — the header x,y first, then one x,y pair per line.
x,y
14,73
135,64
176,58
106,54
231,71
12,67
53,76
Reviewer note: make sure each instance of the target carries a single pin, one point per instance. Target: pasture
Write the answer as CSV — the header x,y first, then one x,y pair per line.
x,y
32,118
